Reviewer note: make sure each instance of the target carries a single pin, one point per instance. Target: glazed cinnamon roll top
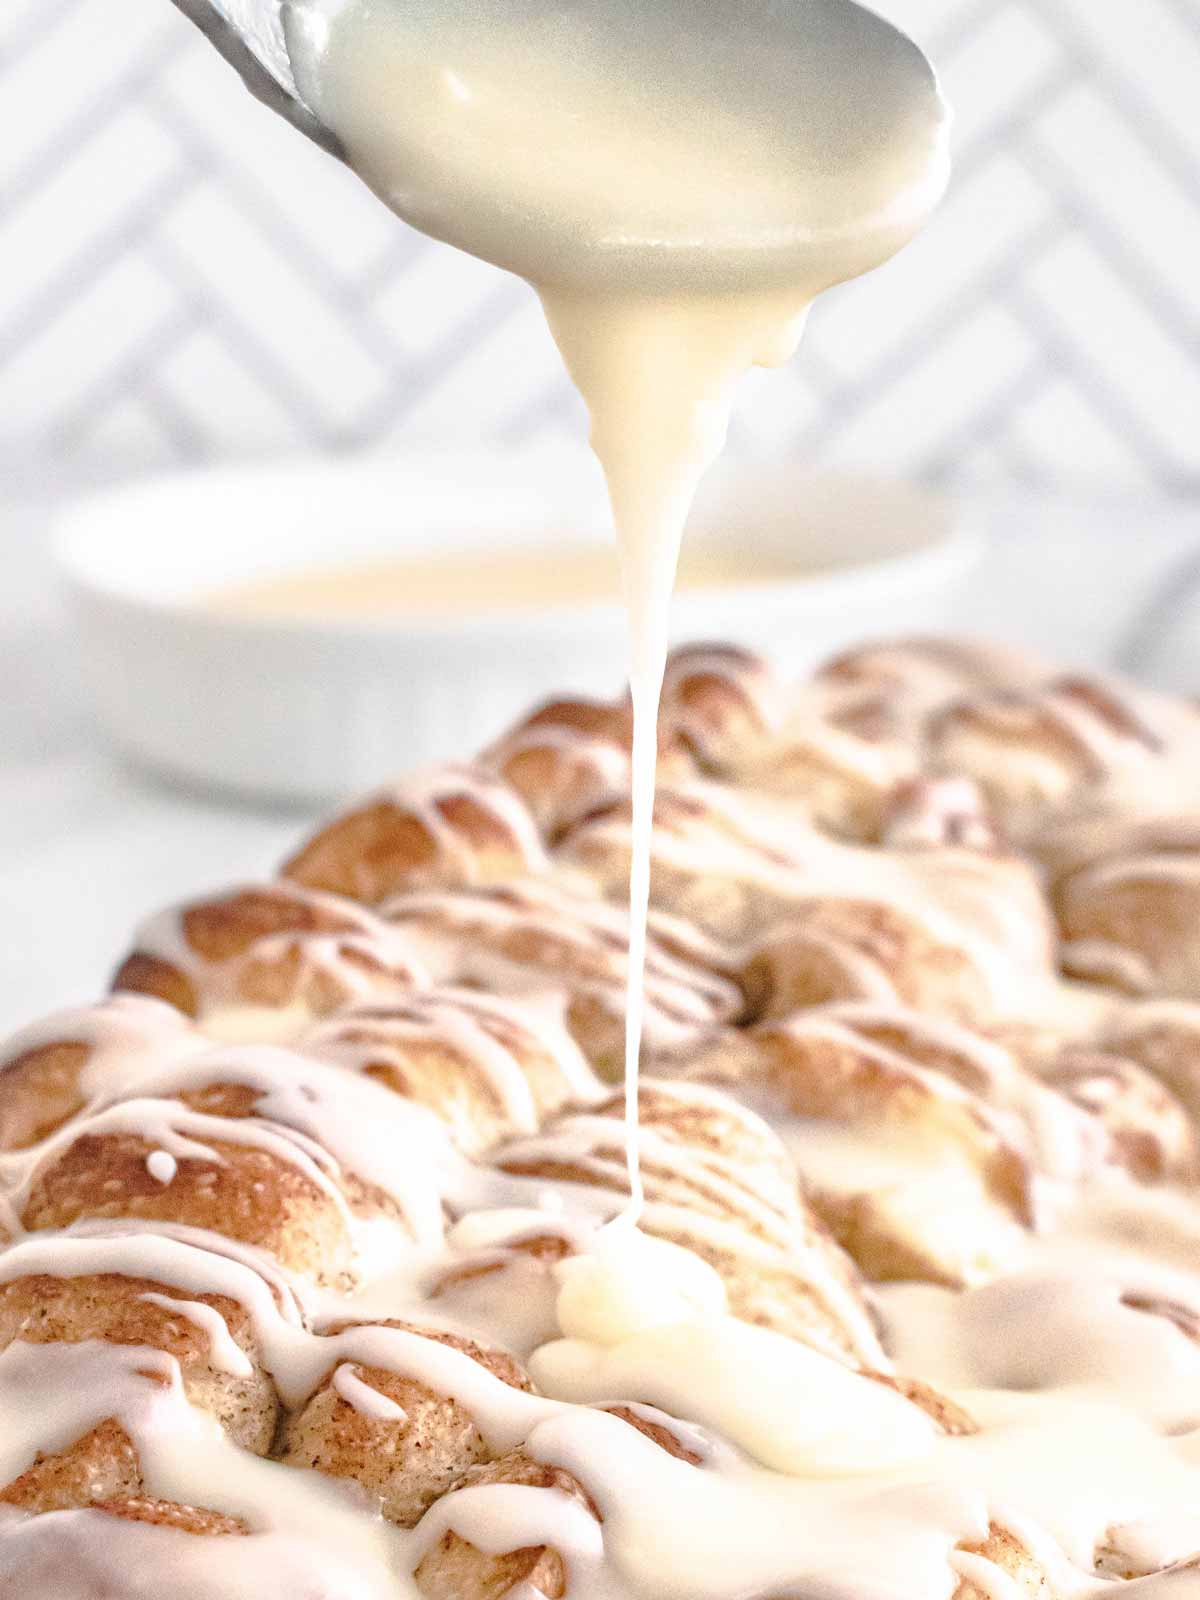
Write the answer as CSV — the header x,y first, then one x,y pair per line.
x,y
318,1273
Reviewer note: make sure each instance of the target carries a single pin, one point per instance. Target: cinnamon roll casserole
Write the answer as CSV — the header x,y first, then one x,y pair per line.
x,y
306,1288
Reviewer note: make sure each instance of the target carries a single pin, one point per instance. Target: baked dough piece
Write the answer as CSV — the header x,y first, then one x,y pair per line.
x,y
1128,909
47,1071
569,757
538,937
261,960
445,827
719,1183
1074,743
400,1440
486,1066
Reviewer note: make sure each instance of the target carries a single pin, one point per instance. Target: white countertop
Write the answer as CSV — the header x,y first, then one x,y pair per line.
x,y
88,846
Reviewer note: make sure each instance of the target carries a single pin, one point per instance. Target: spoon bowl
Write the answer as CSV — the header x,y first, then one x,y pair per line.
x,y
742,146
603,142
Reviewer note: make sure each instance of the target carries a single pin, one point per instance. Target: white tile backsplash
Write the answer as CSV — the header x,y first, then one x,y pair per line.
x,y
183,278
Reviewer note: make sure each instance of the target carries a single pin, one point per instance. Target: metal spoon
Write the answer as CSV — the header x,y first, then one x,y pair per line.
x,y
249,35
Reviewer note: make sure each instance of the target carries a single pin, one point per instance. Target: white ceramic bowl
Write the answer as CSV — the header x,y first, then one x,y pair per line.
x,y
315,709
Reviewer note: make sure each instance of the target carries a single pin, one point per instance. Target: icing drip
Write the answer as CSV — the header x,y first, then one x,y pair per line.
x,y
162,1166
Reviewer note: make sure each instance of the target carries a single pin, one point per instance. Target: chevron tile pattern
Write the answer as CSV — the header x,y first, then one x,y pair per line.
x,y
183,279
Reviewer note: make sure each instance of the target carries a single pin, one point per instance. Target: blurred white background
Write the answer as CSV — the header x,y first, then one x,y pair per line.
x,y
162,239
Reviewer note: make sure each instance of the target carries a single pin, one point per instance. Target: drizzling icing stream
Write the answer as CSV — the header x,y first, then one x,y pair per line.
x,y
678,186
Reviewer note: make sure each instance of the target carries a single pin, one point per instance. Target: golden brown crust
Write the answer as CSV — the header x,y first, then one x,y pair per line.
x,y
439,1049
719,1184
1039,752
570,757
457,831
49,1070
956,930
548,1248
831,950
43,1309
269,946
713,865
943,1134
1130,922
102,1466
716,1130
839,1076
1022,756
514,939
405,1460
720,701
180,1519
245,1193
376,852
39,1090
221,929
140,973
454,1569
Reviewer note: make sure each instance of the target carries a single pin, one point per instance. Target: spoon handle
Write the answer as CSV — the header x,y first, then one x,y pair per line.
x,y
247,35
